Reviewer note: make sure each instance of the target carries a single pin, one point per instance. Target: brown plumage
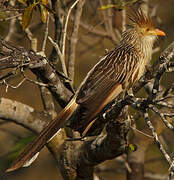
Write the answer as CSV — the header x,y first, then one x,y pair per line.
x,y
113,74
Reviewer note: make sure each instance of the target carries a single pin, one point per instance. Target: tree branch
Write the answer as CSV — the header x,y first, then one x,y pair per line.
x,y
22,59
23,115
73,40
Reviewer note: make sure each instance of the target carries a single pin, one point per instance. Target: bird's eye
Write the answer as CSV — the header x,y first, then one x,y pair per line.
x,y
147,29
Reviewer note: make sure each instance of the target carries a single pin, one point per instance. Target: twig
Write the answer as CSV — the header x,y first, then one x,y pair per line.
x,y
168,90
57,19
108,23
14,87
163,68
110,26
73,40
35,82
65,32
154,11
155,176
164,98
12,9
32,39
11,17
156,50
56,46
171,170
154,109
144,6
9,74
11,29
45,34
144,134
146,117
168,114
20,58
93,29
168,53
165,104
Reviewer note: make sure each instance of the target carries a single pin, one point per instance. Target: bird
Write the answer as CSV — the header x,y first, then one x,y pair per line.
x,y
114,74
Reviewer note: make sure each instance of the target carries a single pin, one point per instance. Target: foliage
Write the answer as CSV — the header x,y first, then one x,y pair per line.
x,y
18,147
119,4
27,15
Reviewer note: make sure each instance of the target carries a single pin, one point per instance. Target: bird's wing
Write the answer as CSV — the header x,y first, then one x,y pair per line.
x,y
105,81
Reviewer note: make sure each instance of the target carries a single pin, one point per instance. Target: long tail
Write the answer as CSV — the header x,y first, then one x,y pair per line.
x,y
38,143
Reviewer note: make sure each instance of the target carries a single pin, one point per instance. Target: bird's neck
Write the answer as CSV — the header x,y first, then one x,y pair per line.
x,y
146,46
142,44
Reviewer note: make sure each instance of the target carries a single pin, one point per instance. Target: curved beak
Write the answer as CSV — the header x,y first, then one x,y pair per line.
x,y
159,32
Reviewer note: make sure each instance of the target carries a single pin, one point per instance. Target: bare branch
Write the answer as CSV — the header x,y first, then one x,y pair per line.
x,y
12,29
45,34
170,126
32,39
56,46
11,17
13,87
108,23
23,114
73,40
65,31
48,102
146,117
20,58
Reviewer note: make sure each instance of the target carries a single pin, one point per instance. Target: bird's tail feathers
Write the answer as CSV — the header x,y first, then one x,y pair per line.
x,y
30,153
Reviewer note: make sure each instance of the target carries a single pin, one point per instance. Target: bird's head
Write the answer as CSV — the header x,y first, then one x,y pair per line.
x,y
143,24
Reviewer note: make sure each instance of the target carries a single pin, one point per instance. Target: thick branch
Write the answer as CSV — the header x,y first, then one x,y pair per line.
x,y
78,158
23,114
22,59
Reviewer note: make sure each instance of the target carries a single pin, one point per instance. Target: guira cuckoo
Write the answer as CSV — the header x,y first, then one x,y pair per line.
x,y
114,73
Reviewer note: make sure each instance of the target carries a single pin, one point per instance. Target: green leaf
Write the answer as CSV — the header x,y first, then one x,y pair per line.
x,y
107,6
44,13
26,18
119,4
18,148
131,148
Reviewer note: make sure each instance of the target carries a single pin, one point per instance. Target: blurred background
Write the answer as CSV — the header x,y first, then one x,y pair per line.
x,y
90,48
